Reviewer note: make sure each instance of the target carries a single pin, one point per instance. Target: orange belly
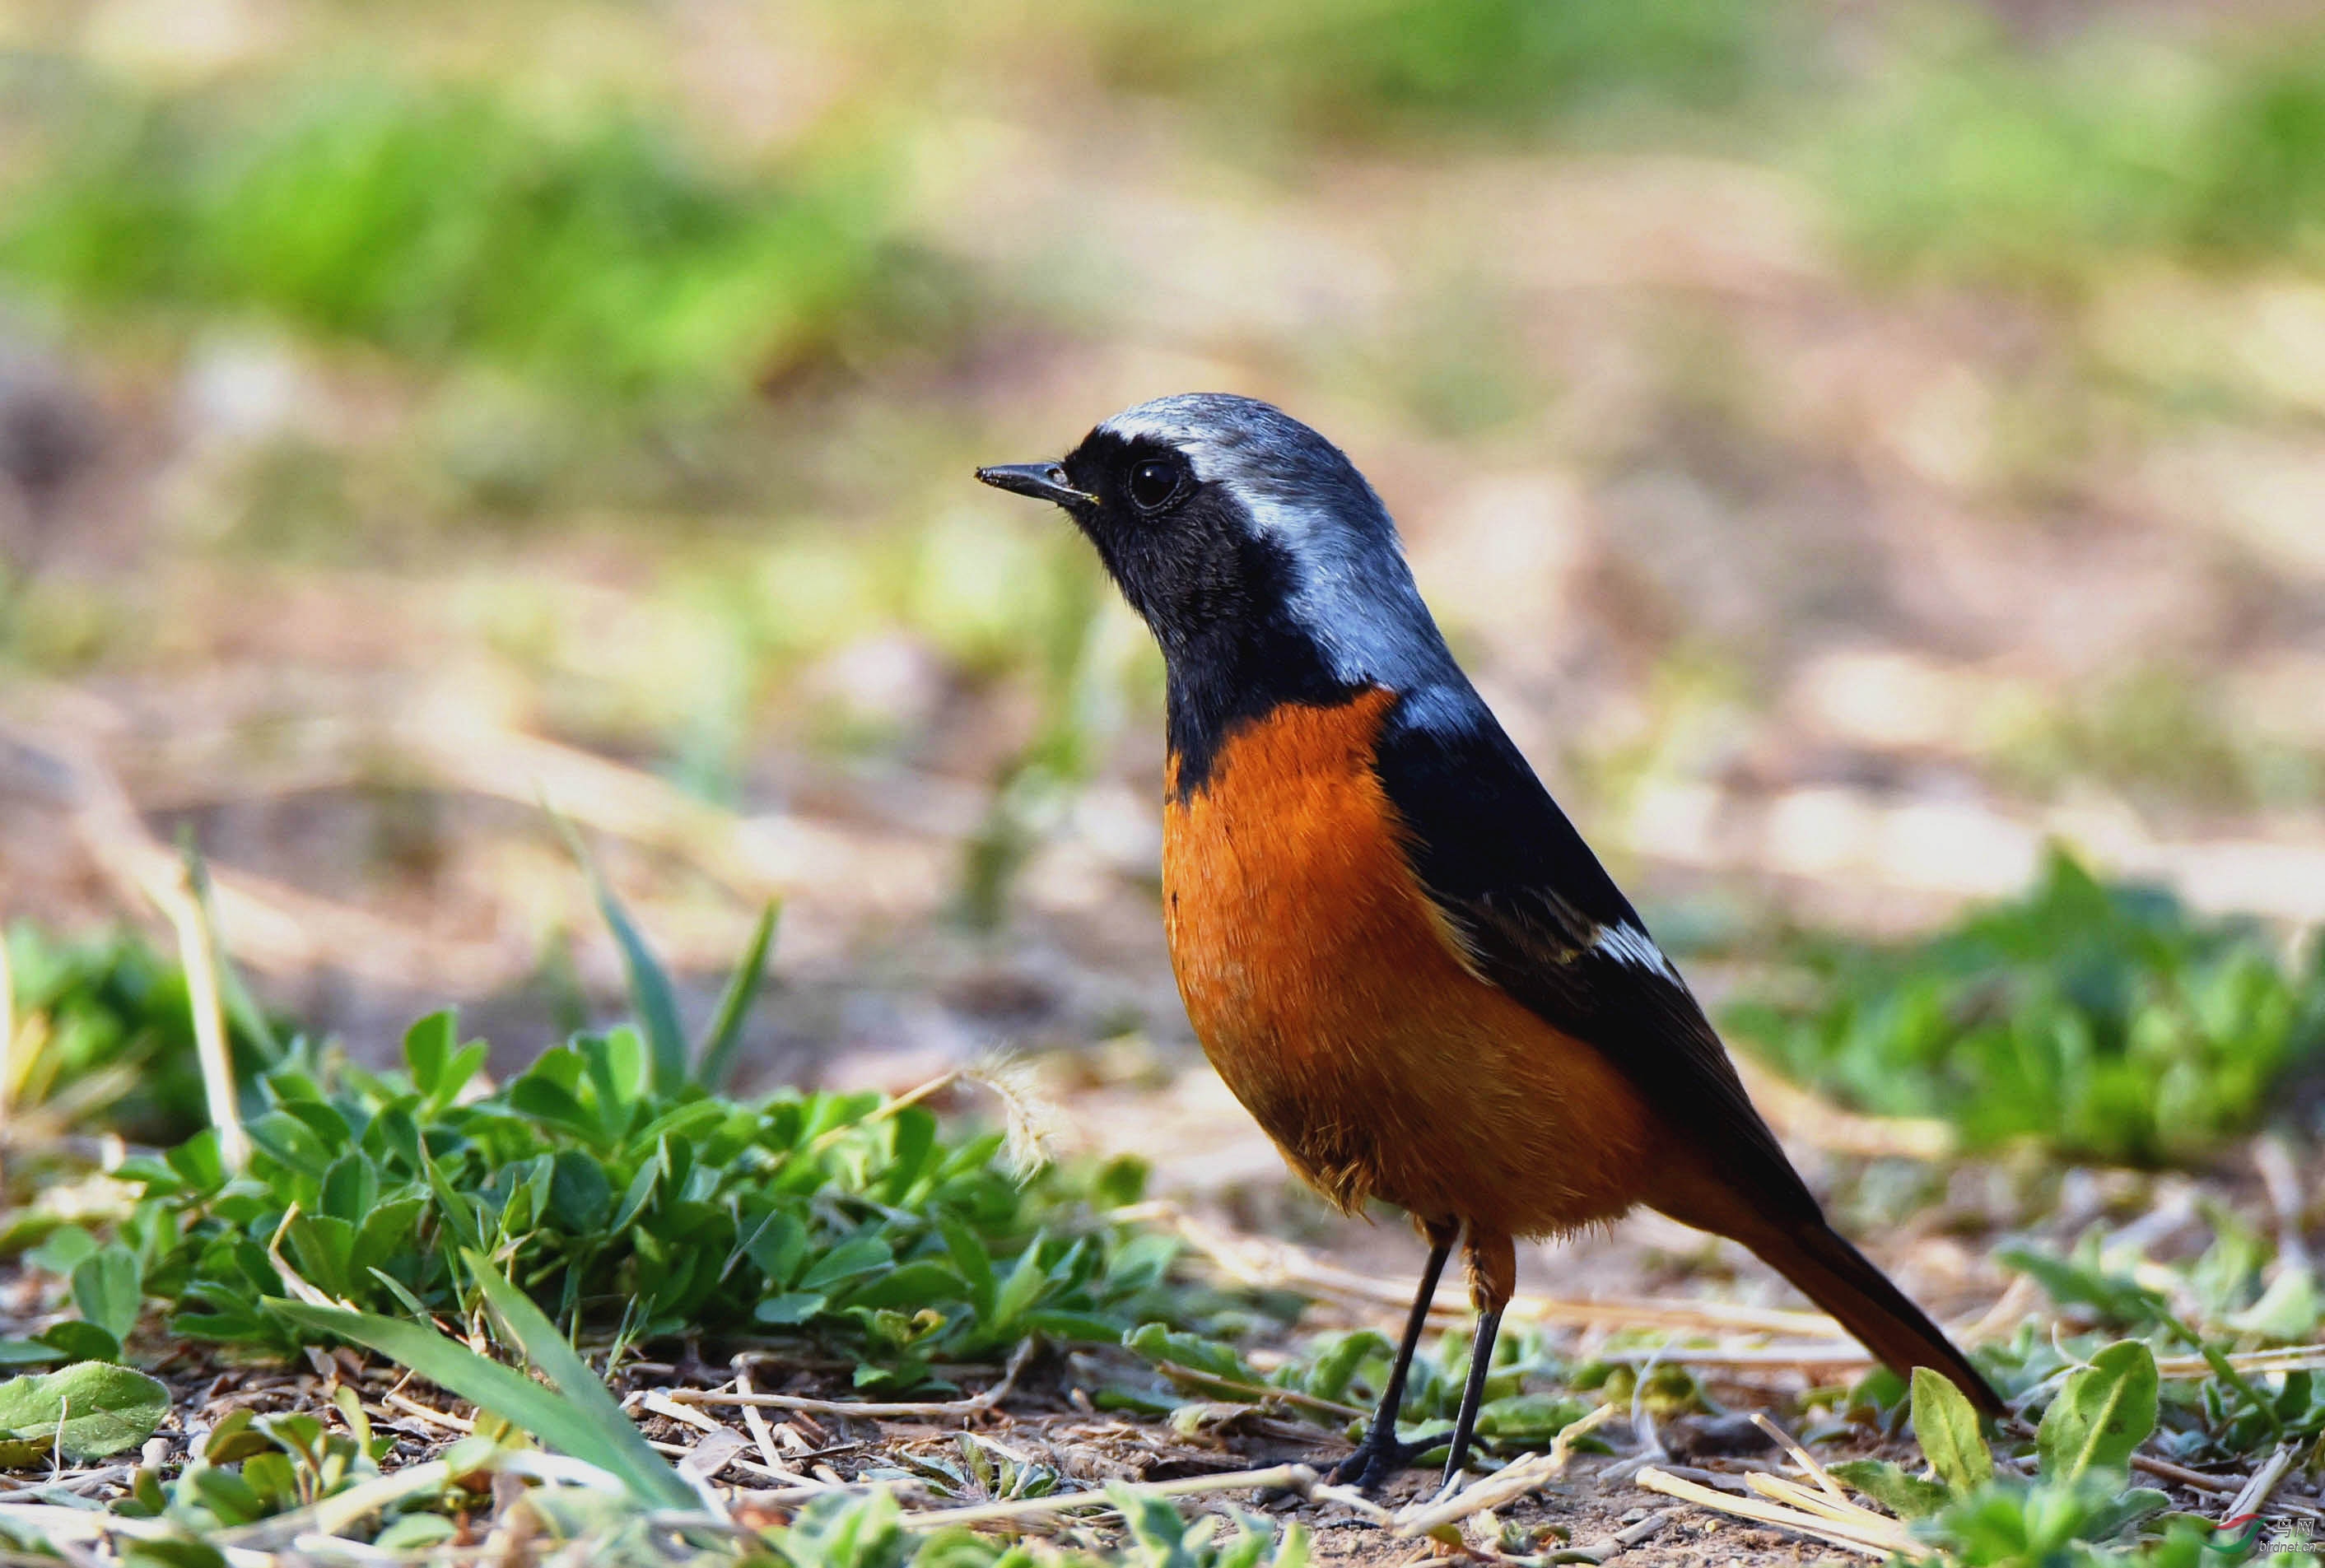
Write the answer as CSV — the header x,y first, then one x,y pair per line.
x,y
1327,993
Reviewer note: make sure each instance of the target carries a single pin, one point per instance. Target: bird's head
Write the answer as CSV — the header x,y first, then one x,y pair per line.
x,y
1251,546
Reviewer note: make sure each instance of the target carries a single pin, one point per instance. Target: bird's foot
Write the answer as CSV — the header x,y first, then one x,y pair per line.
x,y
1378,1459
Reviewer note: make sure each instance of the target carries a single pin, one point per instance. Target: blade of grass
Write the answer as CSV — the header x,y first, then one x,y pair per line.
x,y
239,1005
551,1416
180,901
554,1357
650,989
718,1052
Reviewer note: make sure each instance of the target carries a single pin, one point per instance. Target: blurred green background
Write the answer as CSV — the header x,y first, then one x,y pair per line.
x,y
1852,445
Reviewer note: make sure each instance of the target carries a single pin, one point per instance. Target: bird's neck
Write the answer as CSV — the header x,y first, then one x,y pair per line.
x,y
1222,679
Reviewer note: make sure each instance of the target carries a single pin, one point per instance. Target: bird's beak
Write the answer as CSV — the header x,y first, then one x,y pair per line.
x,y
1041,481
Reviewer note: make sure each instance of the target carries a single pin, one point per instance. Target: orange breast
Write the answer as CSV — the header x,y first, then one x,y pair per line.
x,y
1329,995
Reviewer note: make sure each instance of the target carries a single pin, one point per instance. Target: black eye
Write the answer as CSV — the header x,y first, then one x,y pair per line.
x,y
1152,483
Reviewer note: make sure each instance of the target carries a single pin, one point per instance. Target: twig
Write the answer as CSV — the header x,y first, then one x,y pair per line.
x,y
662,1403
2284,1359
1298,1478
1872,1542
2255,1492
1514,1480
433,1417
1802,1457
1810,1500
736,1458
888,1108
975,1404
1619,1541
2180,1475
764,1435
1261,1391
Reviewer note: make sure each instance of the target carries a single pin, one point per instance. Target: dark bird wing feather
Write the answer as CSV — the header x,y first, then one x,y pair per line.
x,y
1534,907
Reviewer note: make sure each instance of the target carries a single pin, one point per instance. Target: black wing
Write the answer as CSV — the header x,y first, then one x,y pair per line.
x,y
1543,920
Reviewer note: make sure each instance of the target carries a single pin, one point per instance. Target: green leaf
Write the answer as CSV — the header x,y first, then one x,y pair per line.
x,y
2123,1510
2073,1284
1947,1427
2289,1312
856,1532
716,1058
428,1050
2101,1414
651,992
580,1195
554,1356
791,1307
1529,1416
1020,1290
1908,1497
78,1341
350,1188
974,1261
1335,1366
93,1409
292,1142
850,1260
106,1286
1158,1341
920,1283
1154,1524
63,1251
551,1415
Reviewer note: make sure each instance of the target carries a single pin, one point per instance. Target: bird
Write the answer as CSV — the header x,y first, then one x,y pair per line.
x,y
1394,947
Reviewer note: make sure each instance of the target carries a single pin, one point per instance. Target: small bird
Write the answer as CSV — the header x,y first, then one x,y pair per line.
x,y
1396,950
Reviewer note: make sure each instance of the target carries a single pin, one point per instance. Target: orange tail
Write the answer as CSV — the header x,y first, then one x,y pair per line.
x,y
1838,1279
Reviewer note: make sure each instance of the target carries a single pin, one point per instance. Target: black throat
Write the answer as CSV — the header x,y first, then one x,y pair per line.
x,y
1233,675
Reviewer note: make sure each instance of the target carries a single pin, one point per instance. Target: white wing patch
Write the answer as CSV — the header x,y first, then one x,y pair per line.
x,y
1626,944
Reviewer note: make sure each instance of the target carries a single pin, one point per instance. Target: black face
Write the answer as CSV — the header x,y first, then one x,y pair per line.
x,y
1245,613
1212,587
1185,553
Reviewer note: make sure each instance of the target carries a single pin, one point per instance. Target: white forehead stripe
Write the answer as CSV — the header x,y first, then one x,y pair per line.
x,y
1351,591
1157,422
1626,944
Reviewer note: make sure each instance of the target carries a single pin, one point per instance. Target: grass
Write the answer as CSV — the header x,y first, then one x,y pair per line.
x,y
1982,159
609,1195
607,1177
106,1040
2097,1022
599,255
1395,70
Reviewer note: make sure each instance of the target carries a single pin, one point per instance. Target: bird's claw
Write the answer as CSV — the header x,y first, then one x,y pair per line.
x,y
1375,1463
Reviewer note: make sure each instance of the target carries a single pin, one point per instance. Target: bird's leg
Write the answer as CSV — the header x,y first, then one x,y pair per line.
x,y
1493,1267
1381,1455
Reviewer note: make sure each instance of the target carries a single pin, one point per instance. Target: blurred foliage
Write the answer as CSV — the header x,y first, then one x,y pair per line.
x,y
1972,153
2103,1022
440,222
104,1038
2155,734
1385,68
